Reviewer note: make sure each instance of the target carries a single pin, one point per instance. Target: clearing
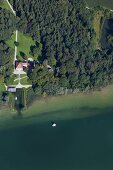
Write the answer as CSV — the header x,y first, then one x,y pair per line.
x,y
25,42
97,24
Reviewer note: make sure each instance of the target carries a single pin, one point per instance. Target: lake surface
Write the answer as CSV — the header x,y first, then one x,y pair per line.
x,y
82,140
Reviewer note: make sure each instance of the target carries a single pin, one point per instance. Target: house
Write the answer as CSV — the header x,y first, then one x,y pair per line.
x,y
11,89
20,66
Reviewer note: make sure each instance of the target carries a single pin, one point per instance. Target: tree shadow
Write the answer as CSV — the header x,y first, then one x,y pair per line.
x,y
22,54
32,47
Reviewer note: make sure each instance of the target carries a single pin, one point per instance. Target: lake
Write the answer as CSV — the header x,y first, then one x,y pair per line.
x,y
82,139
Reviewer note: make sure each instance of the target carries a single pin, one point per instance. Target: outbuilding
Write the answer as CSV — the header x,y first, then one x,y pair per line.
x,y
11,89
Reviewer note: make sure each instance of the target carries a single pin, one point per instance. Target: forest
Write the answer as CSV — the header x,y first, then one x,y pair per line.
x,y
64,35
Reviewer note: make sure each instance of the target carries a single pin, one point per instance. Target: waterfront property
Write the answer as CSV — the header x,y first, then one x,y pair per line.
x,y
21,65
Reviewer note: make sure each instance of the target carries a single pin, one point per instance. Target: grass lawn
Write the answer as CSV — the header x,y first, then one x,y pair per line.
x,y
24,81
5,5
15,83
23,75
97,27
25,42
104,3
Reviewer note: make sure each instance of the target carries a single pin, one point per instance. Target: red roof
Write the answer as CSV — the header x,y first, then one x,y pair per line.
x,y
21,64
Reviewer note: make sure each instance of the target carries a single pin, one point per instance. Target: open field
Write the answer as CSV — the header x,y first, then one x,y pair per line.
x,y
25,42
105,3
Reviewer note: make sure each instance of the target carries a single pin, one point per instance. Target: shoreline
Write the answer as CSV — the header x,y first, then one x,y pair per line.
x,y
92,99
66,107
101,91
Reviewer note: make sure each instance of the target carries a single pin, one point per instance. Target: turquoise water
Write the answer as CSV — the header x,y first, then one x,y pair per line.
x,y
75,144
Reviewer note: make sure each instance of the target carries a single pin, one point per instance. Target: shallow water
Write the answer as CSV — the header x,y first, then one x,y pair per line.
x,y
82,139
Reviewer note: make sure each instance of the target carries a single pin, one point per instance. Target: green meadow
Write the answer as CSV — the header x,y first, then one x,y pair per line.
x,y
25,42
104,3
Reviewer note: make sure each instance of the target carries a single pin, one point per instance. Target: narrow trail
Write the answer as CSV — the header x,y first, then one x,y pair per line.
x,y
20,78
14,12
16,39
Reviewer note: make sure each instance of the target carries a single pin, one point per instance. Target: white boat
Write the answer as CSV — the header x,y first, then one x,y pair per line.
x,y
53,124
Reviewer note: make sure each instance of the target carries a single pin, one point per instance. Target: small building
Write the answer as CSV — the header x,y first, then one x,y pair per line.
x,y
11,89
20,66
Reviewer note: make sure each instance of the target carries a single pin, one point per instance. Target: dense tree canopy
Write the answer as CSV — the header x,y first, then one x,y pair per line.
x,y
7,24
64,35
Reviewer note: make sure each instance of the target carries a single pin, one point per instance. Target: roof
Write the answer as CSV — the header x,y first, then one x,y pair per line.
x,y
11,89
20,64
